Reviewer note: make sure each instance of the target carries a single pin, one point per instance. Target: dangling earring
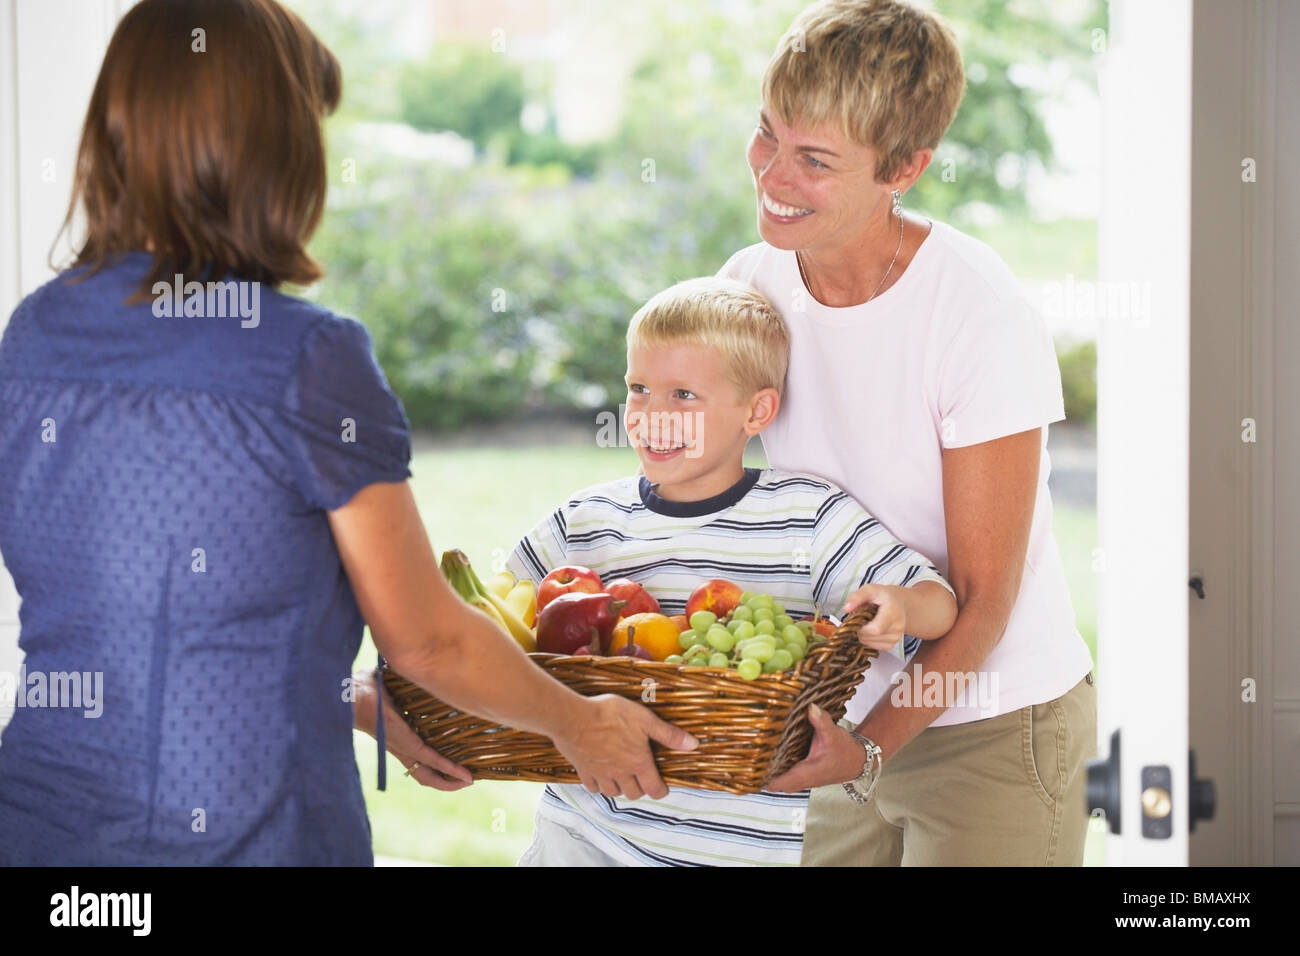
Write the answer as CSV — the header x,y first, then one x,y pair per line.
x,y
898,204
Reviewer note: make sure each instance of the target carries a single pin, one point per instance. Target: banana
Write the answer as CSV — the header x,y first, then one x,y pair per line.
x,y
456,566
522,599
520,631
456,569
500,583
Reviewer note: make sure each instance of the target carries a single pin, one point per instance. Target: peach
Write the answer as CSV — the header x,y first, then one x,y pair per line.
x,y
718,596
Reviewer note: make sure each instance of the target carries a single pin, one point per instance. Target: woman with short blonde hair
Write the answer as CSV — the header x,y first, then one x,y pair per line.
x,y
922,382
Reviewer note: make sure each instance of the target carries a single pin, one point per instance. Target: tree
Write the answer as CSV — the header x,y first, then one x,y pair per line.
x,y
466,89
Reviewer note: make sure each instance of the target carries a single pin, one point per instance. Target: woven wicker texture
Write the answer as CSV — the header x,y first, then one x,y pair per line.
x,y
750,731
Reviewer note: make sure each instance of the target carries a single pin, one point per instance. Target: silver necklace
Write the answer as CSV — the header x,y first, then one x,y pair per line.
x,y
804,276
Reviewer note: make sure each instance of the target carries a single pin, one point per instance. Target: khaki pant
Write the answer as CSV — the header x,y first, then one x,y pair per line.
x,y
1006,791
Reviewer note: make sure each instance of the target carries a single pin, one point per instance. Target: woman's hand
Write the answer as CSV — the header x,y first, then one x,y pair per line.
x,y
428,767
608,737
433,638
886,629
834,757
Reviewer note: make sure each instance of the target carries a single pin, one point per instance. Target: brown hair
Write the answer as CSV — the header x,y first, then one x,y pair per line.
x,y
203,142
888,73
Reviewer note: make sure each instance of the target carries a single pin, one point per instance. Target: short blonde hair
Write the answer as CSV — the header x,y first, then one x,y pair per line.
x,y
890,74
725,315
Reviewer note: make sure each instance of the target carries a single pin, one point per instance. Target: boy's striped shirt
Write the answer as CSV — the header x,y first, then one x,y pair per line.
x,y
794,536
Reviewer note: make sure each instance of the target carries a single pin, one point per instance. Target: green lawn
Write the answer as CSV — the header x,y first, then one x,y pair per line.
x,y
1044,250
483,499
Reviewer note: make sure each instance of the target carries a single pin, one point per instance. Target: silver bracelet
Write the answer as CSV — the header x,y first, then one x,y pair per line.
x,y
870,772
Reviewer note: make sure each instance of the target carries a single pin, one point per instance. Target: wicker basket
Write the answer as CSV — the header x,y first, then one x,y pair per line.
x,y
750,731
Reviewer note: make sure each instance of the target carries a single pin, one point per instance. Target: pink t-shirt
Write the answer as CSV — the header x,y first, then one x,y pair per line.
x,y
951,355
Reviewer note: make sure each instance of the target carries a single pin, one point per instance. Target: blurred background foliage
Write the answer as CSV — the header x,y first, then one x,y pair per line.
x,y
501,284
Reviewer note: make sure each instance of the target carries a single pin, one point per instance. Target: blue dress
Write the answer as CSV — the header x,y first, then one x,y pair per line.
x,y
164,483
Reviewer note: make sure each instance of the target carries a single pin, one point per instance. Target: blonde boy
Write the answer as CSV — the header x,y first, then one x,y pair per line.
x,y
706,371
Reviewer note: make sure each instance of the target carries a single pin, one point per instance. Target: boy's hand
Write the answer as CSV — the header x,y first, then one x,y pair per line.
x,y
886,629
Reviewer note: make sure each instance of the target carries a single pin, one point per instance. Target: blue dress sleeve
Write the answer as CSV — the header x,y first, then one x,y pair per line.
x,y
347,428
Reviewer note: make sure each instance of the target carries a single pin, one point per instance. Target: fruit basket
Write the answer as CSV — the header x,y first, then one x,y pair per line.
x,y
750,731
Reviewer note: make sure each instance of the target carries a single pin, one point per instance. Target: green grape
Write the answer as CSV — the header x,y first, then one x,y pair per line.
x,y
673,659
720,639
749,669
783,621
757,651
703,620
765,627
764,614
778,608
733,625
792,633
718,659
744,631
805,626
697,640
796,651
782,659
764,601
746,597
698,661
686,638
743,612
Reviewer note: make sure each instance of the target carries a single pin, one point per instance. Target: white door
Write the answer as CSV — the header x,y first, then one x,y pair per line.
x,y
1142,452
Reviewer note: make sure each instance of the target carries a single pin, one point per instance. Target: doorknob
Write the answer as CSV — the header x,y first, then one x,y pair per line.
x,y
1103,794
1103,785
1201,796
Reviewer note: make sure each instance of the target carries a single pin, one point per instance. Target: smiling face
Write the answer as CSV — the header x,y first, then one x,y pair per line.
x,y
816,189
687,420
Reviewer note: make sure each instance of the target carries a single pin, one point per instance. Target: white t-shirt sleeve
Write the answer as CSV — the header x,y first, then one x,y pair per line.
x,y
742,264
997,375
730,269
542,550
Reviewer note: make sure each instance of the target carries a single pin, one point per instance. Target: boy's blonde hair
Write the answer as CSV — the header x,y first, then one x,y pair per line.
x,y
888,73
727,316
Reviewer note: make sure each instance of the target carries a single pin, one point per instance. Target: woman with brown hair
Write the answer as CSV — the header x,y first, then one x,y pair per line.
x,y
203,492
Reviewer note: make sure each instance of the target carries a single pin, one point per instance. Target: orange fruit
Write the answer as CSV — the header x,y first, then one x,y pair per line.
x,y
655,632
681,622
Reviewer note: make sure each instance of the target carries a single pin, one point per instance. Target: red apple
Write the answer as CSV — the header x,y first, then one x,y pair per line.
x,y
569,579
638,598
575,620
718,596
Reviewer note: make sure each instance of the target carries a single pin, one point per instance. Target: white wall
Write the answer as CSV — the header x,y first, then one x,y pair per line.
x,y
50,51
